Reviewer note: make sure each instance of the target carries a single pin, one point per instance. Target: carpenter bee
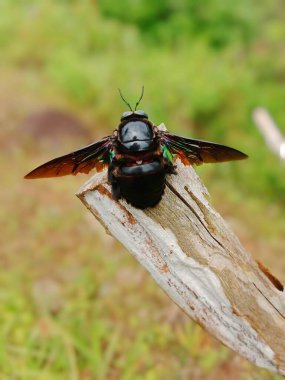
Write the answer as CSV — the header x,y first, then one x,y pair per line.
x,y
138,156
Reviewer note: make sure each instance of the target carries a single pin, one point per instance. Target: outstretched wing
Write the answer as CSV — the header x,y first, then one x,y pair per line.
x,y
192,151
95,155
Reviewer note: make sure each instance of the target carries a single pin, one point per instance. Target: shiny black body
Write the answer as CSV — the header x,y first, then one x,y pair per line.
x,y
139,157
138,170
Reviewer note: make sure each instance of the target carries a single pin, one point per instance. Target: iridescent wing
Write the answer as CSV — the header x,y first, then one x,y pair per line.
x,y
95,155
192,151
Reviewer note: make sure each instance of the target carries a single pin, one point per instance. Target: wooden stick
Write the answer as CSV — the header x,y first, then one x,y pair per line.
x,y
198,261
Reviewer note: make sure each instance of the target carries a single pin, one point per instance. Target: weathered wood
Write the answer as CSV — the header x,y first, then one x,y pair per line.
x,y
195,257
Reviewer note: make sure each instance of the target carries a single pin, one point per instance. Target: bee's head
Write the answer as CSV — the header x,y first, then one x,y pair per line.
x,y
133,113
138,114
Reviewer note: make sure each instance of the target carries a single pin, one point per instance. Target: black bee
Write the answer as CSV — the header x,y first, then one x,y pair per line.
x,y
139,156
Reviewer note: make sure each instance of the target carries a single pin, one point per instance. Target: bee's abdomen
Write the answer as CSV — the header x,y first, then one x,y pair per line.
x,y
143,185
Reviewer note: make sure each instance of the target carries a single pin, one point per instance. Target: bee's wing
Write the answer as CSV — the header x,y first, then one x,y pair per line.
x,y
95,155
192,151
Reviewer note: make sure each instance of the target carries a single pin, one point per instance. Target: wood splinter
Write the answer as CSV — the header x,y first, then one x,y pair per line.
x,y
197,260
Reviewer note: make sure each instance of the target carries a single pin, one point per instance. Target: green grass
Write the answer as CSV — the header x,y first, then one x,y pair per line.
x,y
73,303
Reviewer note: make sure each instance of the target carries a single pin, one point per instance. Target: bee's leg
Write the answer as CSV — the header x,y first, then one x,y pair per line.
x,y
116,192
171,169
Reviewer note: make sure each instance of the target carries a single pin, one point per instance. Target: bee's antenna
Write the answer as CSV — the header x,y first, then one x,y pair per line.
x,y
124,100
138,102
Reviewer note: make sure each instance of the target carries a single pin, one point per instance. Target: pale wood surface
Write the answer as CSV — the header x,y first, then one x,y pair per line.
x,y
194,256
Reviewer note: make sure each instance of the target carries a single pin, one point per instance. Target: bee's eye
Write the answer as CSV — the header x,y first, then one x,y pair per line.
x,y
126,115
141,113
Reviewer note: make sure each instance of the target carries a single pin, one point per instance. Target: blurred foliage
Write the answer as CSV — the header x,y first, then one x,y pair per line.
x,y
205,66
172,21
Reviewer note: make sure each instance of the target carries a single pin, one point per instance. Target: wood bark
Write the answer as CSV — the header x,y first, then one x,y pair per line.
x,y
195,257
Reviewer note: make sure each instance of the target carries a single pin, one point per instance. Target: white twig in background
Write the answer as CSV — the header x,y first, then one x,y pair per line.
x,y
270,131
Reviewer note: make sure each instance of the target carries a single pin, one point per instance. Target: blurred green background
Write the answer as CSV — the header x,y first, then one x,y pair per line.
x,y
73,303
